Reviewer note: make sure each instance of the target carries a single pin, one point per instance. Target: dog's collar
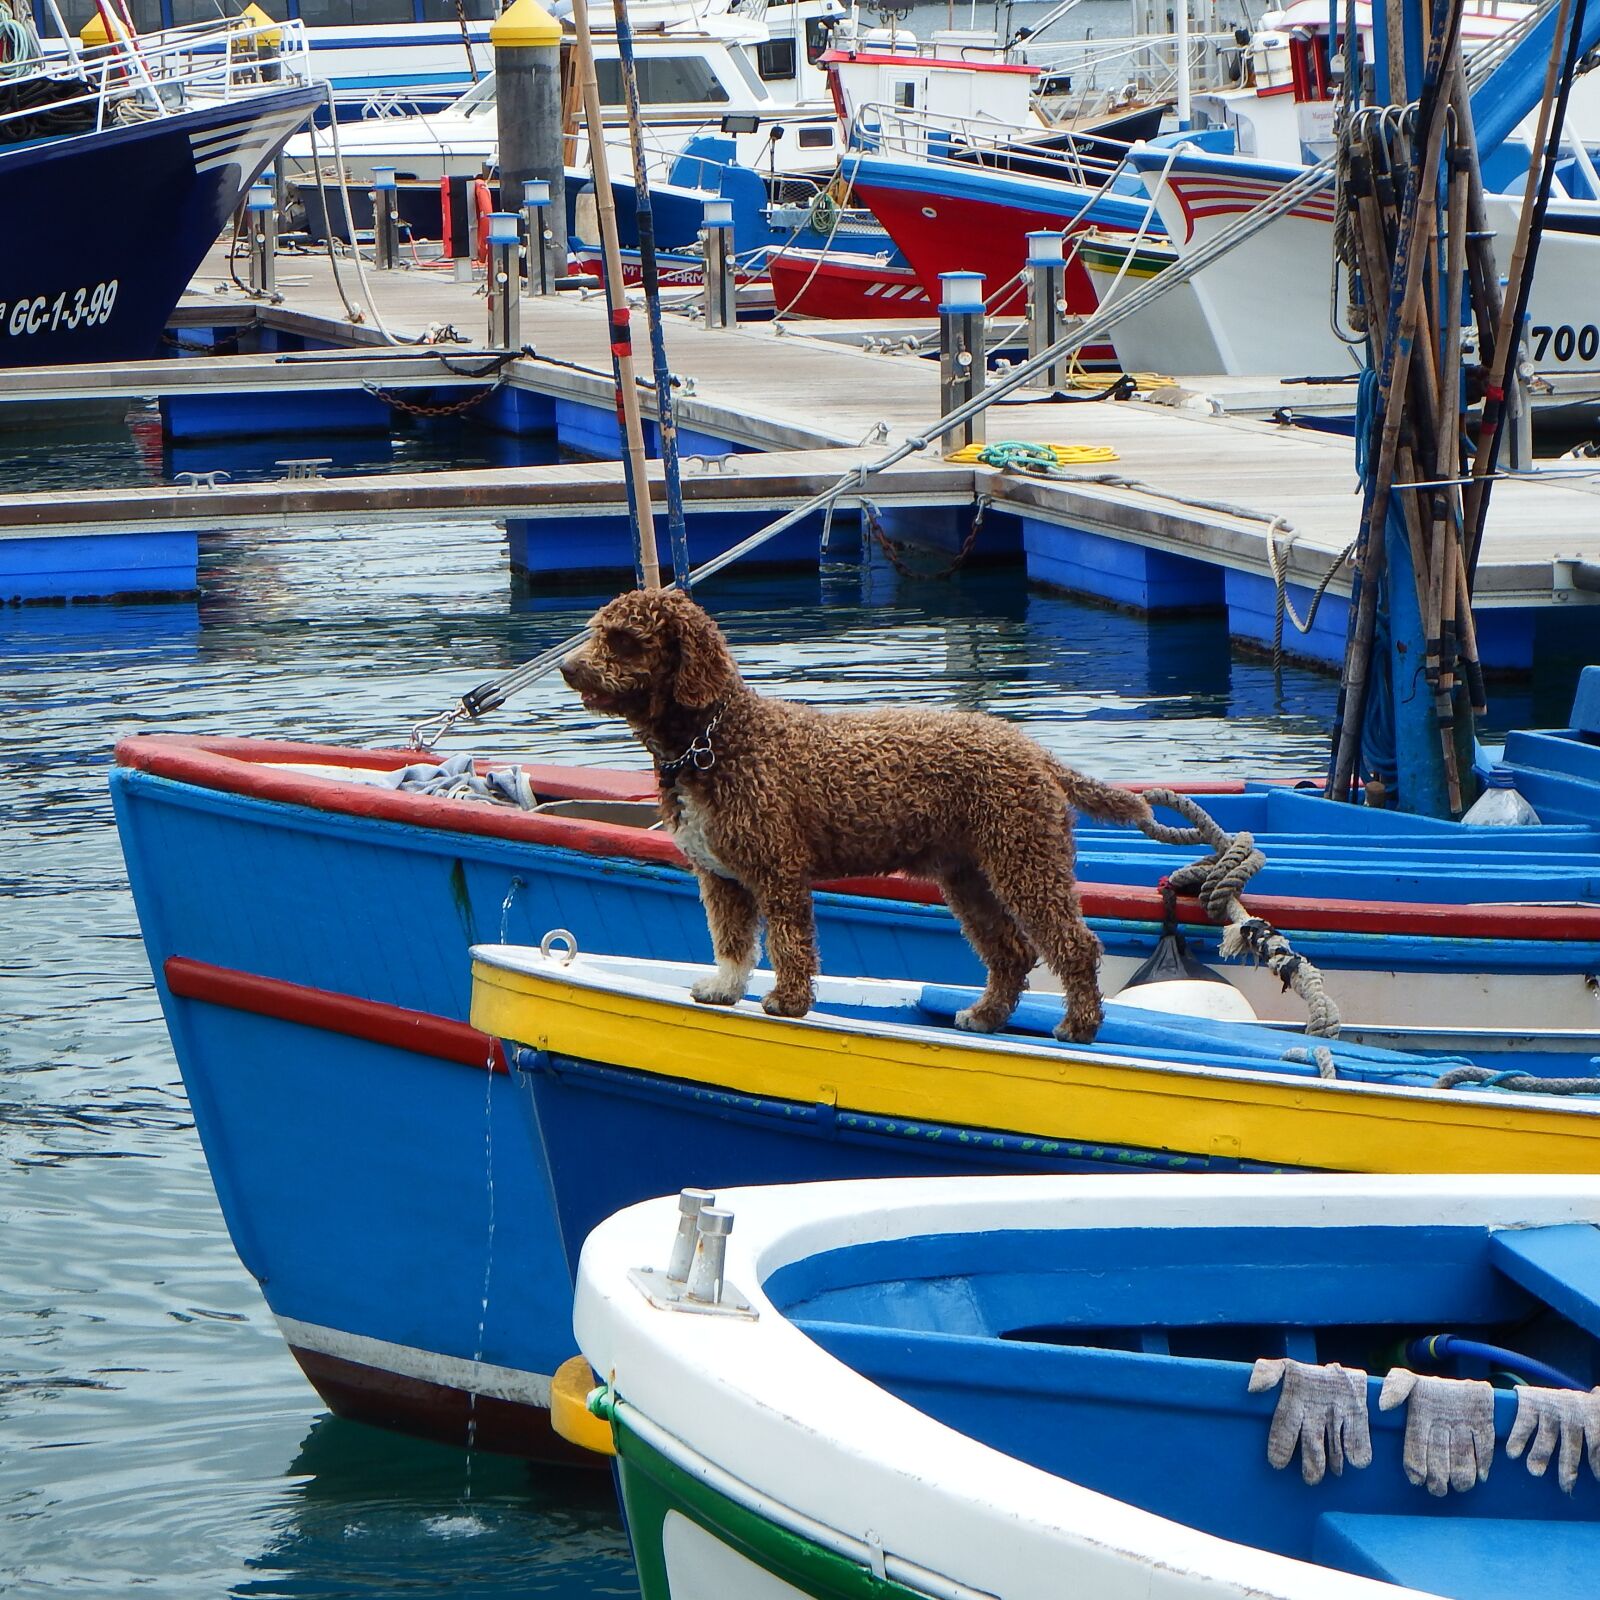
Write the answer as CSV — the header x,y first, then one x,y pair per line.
x,y
699,755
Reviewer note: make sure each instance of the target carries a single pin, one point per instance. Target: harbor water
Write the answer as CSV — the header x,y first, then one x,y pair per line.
x,y
155,1436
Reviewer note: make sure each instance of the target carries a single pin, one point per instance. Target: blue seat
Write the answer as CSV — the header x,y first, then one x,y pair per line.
x,y
1560,1264
1467,1558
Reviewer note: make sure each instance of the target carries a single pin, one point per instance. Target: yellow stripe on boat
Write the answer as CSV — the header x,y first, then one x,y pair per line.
x,y
1042,1093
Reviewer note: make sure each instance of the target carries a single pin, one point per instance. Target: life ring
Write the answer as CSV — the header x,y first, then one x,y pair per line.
x,y
484,207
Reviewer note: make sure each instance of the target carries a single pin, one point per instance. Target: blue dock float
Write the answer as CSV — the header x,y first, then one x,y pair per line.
x,y
135,564
571,548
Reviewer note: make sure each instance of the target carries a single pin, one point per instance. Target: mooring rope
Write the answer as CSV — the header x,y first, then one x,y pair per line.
x,y
1521,1082
1217,881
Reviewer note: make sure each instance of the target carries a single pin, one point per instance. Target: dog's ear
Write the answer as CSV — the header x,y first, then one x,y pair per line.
x,y
706,673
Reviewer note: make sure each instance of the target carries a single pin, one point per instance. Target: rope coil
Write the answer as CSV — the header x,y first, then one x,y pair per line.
x,y
1217,881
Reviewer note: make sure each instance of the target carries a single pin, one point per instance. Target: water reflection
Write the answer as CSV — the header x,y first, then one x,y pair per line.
x,y
368,1513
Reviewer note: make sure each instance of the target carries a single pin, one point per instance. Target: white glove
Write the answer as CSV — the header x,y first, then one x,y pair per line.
x,y
1322,1409
1449,1441
1546,1415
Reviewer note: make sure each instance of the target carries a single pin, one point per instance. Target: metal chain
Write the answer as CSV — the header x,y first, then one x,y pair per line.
x,y
892,548
448,408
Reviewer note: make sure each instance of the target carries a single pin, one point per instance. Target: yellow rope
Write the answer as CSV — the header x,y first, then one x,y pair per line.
x,y
1004,450
1079,377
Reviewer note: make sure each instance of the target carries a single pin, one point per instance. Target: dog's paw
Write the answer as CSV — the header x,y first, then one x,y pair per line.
x,y
786,1005
717,991
971,1019
1078,1029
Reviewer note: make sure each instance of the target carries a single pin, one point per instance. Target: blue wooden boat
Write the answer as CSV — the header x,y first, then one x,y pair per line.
x,y
308,930
1028,1388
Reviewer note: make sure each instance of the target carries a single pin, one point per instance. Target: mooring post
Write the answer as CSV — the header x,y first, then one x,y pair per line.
x,y
263,220
717,237
535,202
527,71
1047,281
385,219
962,369
505,281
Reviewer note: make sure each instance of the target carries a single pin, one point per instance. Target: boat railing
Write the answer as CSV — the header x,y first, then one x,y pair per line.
x,y
974,141
1091,73
139,77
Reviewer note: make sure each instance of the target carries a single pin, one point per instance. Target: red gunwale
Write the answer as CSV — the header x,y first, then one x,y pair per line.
x,y
236,766
420,1032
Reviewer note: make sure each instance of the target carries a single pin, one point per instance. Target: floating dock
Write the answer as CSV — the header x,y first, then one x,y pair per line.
x,y
1196,512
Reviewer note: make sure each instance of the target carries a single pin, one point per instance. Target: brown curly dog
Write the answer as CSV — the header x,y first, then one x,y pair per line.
x,y
766,797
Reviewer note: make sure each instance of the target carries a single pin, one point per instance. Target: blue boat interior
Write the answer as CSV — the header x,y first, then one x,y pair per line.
x,y
1196,1041
1119,1358
1558,772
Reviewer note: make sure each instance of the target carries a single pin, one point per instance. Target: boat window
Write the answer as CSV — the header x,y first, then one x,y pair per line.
x,y
351,13
445,10
815,138
75,13
775,60
905,94
187,11
663,81
819,37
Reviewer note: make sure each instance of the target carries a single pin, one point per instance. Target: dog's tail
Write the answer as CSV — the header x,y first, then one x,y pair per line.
x,y
1101,800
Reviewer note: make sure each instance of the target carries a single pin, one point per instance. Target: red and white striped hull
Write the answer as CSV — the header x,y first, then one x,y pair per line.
x,y
845,287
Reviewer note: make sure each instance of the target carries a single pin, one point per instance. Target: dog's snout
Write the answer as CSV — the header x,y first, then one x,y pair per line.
x,y
568,670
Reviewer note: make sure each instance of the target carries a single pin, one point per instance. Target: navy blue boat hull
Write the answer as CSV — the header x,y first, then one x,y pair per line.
x,y
106,230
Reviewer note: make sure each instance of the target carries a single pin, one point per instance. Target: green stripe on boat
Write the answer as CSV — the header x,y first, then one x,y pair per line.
x,y
655,1487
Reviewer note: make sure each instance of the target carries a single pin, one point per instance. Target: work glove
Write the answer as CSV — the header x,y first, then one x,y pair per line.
x,y
1548,1415
1322,1409
1449,1441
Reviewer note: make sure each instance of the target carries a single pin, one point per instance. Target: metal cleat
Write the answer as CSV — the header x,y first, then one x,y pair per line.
x,y
202,480
305,467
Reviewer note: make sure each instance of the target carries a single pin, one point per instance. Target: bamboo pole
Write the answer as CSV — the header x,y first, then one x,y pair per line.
x,y
631,428
650,276
1405,301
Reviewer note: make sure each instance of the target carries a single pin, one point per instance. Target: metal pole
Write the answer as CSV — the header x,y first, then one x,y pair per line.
x,y
1047,285
1182,19
535,202
717,234
962,367
385,219
505,282
263,239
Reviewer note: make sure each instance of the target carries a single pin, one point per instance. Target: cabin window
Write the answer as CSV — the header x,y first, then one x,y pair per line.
x,y
445,10
75,13
353,13
815,138
663,81
184,12
905,94
819,36
775,60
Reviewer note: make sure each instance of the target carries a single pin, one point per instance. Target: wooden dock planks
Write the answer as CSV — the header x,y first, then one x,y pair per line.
x,y
1193,484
